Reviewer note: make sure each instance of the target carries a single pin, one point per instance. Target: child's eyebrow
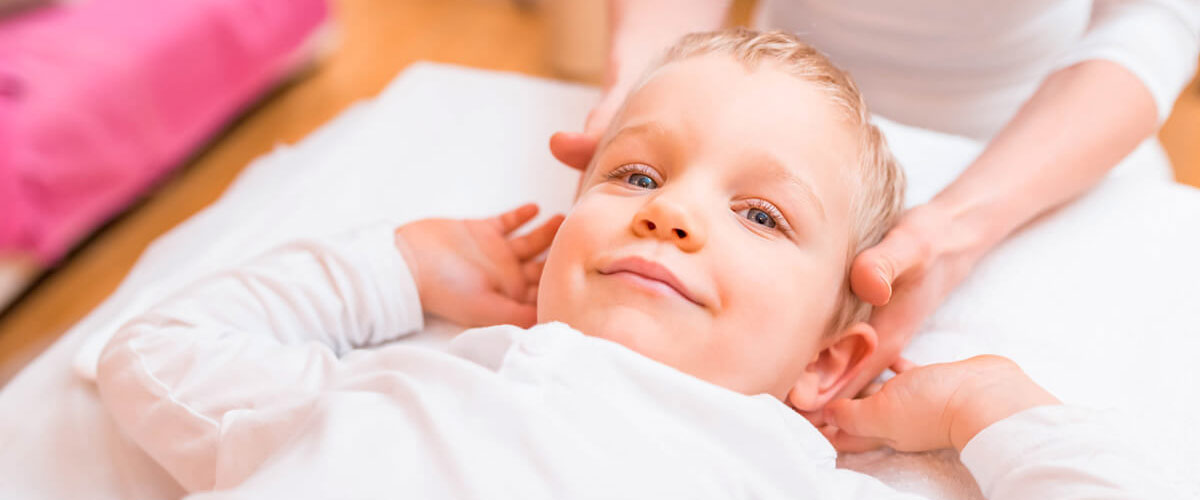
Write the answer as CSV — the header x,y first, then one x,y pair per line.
x,y
776,170
769,163
645,128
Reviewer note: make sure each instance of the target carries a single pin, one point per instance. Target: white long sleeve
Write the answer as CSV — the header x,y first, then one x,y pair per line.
x,y
264,335
1157,40
251,384
1063,453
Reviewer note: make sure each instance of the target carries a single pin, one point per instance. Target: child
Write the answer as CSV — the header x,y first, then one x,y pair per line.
x,y
692,309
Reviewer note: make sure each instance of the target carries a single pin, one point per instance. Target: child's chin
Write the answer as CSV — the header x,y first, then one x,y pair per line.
x,y
645,331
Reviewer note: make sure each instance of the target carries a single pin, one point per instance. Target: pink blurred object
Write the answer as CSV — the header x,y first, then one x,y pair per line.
x,y
100,98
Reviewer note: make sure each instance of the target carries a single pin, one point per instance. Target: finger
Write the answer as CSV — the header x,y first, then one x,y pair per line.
x,y
828,431
847,443
531,294
531,244
509,221
870,389
902,365
496,309
573,149
872,366
866,417
874,272
533,271
509,279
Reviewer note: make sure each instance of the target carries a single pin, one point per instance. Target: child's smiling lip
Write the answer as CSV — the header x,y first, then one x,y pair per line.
x,y
649,270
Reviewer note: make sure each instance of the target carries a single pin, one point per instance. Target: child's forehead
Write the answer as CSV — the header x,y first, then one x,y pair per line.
x,y
720,102
726,79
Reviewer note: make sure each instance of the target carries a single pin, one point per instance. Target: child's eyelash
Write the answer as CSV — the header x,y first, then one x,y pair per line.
x,y
771,210
633,168
766,206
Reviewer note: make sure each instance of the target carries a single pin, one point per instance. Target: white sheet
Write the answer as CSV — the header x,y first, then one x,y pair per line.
x,y
1098,302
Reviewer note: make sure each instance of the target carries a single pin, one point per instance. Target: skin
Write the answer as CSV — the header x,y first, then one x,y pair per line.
x,y
932,407
474,272
738,187
1078,125
720,157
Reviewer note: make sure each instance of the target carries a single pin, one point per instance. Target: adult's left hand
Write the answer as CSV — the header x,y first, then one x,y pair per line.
x,y
906,276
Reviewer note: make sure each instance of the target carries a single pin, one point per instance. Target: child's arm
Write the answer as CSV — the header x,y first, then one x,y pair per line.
x,y
218,361
1016,438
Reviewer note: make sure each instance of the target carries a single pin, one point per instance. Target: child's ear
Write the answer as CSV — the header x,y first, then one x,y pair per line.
x,y
833,367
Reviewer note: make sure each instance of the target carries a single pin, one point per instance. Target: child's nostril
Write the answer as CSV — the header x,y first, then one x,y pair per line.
x,y
681,233
650,225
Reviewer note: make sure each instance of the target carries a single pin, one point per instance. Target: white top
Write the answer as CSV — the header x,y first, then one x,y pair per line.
x,y
253,383
966,66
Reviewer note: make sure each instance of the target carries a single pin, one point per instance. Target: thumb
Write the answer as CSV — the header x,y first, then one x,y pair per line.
x,y
875,271
496,309
573,148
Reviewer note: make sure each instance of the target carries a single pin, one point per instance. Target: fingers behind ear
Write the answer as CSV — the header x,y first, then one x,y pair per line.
x,y
902,365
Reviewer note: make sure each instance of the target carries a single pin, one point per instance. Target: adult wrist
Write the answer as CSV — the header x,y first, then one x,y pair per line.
x,y
971,226
994,397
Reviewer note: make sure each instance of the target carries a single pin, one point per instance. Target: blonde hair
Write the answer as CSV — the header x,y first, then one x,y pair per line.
x,y
876,206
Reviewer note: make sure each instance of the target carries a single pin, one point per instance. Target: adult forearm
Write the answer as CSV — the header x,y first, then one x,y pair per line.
x,y
641,29
1081,122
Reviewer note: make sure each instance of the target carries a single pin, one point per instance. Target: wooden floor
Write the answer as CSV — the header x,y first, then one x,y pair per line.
x,y
378,39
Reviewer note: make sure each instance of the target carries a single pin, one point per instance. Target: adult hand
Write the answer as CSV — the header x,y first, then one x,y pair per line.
x,y
575,149
471,272
933,407
906,277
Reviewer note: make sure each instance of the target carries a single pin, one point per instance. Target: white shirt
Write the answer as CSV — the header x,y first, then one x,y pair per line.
x,y
966,66
258,383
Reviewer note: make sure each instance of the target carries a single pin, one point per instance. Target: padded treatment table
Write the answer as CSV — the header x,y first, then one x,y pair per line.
x,y
1099,302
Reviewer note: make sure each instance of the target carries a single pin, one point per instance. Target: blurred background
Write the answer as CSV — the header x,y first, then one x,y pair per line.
x,y
307,65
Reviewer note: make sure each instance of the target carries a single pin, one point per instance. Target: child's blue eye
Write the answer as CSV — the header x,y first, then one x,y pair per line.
x,y
760,217
642,180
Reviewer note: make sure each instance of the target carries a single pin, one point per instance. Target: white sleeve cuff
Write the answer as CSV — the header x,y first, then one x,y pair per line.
x,y
1064,452
395,304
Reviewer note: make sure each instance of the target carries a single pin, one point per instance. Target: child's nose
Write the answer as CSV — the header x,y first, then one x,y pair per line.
x,y
669,222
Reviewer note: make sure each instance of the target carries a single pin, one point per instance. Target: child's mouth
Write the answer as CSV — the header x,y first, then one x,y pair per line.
x,y
649,275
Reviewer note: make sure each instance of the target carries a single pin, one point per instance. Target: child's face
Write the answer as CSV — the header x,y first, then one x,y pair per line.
x,y
733,182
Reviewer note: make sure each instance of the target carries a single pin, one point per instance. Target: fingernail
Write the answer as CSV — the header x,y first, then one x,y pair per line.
x,y
883,277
